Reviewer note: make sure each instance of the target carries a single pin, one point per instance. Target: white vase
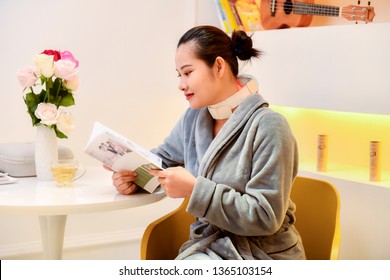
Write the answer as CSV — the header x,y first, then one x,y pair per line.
x,y
46,151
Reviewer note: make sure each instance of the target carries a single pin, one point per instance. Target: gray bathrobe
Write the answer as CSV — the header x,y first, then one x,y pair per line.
x,y
243,182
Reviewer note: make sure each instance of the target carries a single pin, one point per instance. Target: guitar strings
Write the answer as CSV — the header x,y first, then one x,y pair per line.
x,y
317,9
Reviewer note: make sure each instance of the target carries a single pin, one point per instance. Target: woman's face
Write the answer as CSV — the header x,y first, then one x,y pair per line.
x,y
197,79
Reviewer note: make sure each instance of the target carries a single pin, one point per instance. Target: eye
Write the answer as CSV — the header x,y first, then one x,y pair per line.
x,y
185,74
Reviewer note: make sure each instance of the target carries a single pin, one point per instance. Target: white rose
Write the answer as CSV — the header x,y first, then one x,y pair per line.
x,y
72,84
45,64
47,113
65,121
65,69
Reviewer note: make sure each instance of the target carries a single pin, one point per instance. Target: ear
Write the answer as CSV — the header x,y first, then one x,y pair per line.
x,y
219,66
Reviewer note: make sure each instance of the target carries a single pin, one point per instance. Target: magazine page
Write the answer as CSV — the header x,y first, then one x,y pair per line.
x,y
119,153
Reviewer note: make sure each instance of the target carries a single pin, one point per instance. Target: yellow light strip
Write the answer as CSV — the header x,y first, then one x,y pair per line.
x,y
349,135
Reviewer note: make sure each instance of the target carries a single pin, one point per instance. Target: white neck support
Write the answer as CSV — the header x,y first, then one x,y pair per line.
x,y
224,109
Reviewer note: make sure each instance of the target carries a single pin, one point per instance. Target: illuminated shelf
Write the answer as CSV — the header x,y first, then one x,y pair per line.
x,y
349,138
349,173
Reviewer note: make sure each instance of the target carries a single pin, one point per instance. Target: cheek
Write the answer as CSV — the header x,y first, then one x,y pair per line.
x,y
201,82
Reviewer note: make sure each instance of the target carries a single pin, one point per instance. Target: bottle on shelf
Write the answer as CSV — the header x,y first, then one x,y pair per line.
x,y
375,160
322,152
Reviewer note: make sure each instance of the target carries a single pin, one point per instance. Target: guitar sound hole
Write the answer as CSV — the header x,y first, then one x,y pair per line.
x,y
288,7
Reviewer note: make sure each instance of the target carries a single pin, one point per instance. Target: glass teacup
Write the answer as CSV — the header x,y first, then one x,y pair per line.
x,y
64,172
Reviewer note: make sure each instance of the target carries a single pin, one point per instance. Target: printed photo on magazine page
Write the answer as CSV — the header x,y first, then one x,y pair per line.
x,y
119,153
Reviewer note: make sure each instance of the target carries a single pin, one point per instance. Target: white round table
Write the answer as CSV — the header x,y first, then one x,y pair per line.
x,y
92,192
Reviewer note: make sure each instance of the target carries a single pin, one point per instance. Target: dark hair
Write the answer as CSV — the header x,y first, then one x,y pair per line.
x,y
211,42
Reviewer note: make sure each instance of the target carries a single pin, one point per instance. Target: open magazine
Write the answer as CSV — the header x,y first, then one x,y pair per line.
x,y
120,154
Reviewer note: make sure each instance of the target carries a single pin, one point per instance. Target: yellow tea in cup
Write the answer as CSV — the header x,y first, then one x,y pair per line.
x,y
64,172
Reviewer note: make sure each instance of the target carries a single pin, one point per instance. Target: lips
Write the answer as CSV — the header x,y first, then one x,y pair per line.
x,y
188,95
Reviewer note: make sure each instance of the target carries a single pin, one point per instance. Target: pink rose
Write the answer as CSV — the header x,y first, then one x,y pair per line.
x,y
47,113
67,55
65,69
27,76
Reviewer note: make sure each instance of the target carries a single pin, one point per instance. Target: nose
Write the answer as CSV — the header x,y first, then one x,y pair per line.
x,y
182,86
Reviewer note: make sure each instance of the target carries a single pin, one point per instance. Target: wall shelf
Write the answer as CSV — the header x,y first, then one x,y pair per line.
x,y
343,68
352,174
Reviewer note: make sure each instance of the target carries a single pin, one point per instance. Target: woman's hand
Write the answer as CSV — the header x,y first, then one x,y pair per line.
x,y
123,181
176,181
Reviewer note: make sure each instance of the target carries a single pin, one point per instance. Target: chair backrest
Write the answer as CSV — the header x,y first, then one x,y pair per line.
x,y
318,211
162,238
317,217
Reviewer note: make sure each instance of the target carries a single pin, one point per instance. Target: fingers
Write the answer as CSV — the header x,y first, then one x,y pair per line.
x,y
123,182
175,181
107,168
124,176
127,188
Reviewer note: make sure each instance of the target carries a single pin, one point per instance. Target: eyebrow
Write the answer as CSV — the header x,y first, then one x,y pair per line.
x,y
184,66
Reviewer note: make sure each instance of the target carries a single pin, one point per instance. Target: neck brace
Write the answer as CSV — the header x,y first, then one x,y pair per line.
x,y
224,109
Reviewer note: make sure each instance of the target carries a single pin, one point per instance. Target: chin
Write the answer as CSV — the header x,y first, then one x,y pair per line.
x,y
194,105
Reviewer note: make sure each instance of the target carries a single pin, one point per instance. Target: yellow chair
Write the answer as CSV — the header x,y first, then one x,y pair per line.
x,y
318,211
318,217
162,238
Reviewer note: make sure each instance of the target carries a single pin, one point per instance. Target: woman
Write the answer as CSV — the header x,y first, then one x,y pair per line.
x,y
230,154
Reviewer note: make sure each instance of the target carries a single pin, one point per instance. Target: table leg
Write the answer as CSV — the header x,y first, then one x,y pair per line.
x,y
52,230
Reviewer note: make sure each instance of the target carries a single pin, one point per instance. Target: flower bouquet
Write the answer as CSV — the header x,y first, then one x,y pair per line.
x,y
48,90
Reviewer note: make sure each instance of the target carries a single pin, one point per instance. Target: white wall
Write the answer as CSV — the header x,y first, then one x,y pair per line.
x,y
343,68
126,53
128,81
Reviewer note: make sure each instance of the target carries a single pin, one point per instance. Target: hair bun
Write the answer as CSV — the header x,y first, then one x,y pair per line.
x,y
242,46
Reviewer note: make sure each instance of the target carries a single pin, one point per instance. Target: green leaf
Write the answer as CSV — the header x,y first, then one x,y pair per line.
x,y
60,134
32,101
35,120
67,100
63,92
56,101
57,84
56,90
42,96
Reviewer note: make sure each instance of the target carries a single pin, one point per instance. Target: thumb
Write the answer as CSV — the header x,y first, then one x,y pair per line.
x,y
154,172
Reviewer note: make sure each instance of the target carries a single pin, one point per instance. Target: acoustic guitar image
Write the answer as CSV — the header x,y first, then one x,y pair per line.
x,y
276,14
